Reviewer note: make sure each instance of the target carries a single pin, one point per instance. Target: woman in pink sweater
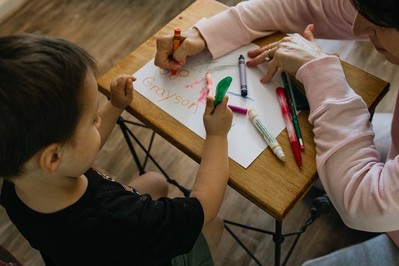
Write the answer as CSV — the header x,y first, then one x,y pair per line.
x,y
364,190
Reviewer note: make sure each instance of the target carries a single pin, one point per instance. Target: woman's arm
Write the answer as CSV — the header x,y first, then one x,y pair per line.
x,y
253,19
362,189
250,20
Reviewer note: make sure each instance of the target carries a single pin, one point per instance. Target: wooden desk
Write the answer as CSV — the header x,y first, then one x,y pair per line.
x,y
271,185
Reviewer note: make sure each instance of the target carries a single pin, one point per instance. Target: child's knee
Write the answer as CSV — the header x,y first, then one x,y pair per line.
x,y
152,183
213,231
159,182
216,225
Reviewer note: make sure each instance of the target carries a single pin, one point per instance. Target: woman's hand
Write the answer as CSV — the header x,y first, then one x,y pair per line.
x,y
289,54
191,43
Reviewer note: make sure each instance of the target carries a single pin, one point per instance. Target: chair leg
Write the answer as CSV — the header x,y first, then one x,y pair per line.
x,y
129,136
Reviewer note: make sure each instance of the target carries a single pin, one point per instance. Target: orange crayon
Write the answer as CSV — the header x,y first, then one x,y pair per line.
x,y
176,44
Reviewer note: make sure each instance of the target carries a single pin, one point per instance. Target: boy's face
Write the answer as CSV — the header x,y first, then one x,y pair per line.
x,y
79,153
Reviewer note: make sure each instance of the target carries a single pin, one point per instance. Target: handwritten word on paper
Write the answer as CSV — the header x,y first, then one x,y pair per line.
x,y
165,94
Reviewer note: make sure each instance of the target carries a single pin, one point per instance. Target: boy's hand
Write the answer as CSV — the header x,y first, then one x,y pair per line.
x,y
122,91
219,122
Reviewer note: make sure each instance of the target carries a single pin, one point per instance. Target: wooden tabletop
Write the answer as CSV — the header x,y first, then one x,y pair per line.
x,y
269,183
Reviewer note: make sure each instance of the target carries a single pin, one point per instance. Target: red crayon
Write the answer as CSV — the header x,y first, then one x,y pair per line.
x,y
285,110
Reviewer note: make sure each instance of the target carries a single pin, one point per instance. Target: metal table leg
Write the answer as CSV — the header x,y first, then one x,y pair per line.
x,y
320,205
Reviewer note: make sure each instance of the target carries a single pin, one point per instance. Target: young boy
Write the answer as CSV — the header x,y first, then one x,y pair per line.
x,y
50,132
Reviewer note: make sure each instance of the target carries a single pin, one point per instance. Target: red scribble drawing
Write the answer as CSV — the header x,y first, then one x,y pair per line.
x,y
203,94
194,83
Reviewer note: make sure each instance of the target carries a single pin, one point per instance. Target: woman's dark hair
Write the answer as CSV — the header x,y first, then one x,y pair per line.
x,y
382,13
41,83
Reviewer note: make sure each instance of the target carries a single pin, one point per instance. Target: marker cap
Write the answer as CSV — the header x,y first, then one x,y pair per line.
x,y
278,151
251,113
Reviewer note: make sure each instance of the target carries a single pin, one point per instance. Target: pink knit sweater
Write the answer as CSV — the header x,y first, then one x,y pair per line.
x,y
364,191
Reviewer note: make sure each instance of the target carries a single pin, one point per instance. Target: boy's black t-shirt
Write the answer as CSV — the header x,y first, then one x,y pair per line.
x,y
109,225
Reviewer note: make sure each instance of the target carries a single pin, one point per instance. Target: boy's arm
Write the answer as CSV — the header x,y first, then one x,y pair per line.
x,y
109,115
121,97
213,173
212,176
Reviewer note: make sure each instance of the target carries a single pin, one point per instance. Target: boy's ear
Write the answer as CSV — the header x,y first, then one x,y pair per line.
x,y
49,158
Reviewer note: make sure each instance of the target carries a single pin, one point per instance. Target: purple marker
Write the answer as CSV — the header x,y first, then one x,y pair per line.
x,y
237,109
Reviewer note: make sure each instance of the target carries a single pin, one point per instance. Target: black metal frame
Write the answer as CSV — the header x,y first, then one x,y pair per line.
x,y
127,133
321,204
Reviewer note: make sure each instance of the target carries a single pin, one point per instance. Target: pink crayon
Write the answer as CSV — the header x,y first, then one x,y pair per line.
x,y
237,109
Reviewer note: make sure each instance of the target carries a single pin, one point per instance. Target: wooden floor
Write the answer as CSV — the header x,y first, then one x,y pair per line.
x,y
109,30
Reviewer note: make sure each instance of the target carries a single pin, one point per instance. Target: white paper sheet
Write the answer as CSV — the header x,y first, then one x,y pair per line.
x,y
183,97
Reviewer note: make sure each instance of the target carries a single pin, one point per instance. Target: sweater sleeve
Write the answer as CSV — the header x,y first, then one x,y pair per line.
x,y
249,20
363,190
